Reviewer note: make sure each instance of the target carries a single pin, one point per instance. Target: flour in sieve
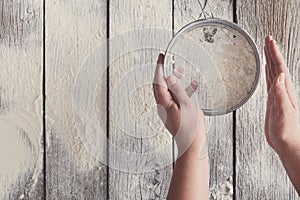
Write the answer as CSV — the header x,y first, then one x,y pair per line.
x,y
233,57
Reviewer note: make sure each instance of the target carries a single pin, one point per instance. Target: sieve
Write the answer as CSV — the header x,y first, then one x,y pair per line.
x,y
221,57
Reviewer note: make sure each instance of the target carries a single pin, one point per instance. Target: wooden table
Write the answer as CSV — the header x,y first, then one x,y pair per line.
x,y
43,45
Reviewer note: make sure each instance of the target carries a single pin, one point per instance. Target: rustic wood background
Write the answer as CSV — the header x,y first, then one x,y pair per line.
x,y
45,43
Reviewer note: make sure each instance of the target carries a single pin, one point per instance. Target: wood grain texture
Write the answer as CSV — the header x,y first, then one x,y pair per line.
x,y
125,181
21,98
73,30
220,128
260,174
18,20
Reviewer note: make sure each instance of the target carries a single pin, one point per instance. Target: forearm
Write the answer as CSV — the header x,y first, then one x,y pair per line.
x,y
190,177
290,159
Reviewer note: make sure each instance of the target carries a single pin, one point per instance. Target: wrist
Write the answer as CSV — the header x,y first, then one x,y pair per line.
x,y
194,146
288,148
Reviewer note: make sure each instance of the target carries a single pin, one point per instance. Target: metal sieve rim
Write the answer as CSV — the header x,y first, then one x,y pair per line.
x,y
225,24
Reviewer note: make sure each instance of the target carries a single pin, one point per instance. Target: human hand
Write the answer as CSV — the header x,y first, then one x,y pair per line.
x,y
183,118
282,114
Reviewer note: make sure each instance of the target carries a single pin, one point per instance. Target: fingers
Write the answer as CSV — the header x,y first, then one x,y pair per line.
x,y
177,90
162,88
280,66
276,58
267,77
159,75
272,72
161,93
277,65
268,65
179,72
191,89
281,95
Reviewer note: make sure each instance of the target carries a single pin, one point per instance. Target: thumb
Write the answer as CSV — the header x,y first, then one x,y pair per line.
x,y
176,89
281,94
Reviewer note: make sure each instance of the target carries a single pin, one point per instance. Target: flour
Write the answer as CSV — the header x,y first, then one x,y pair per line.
x,y
234,58
222,191
18,154
75,34
20,98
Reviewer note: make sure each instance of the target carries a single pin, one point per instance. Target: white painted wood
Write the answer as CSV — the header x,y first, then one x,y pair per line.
x,y
21,150
260,174
123,182
73,30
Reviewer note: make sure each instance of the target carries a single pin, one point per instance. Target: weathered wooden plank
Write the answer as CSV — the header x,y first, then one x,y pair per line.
x,y
21,131
220,128
137,176
260,174
73,30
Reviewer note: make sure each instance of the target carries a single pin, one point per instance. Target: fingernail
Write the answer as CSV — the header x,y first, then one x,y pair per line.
x,y
194,85
281,78
180,70
272,42
160,56
171,80
271,38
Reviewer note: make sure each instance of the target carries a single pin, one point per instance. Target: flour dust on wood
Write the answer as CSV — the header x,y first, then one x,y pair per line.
x,y
19,155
